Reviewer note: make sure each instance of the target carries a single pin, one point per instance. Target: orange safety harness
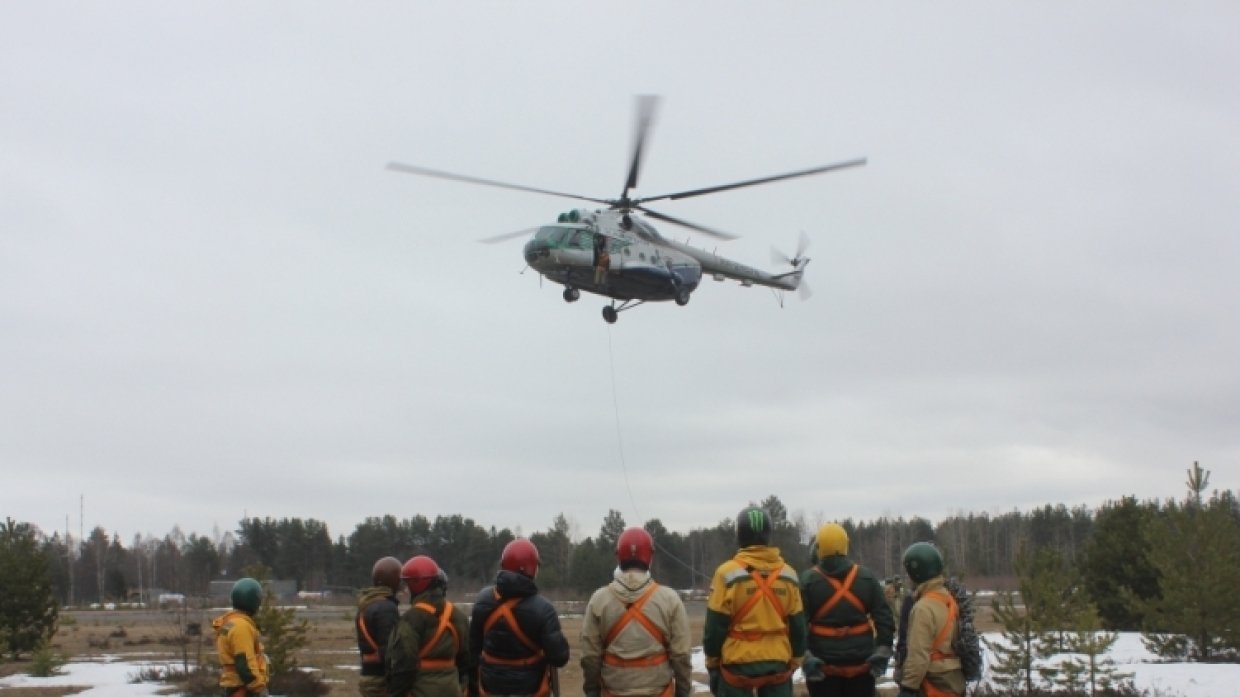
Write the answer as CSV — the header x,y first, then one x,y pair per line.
x,y
952,612
371,656
445,627
928,688
503,611
842,592
764,590
633,613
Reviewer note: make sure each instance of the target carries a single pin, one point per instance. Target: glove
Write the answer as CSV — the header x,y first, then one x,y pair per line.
x,y
714,680
812,669
878,662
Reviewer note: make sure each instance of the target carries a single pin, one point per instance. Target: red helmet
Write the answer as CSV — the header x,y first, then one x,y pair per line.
x,y
520,556
634,545
418,573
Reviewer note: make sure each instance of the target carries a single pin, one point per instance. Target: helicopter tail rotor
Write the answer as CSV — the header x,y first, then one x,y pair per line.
x,y
797,259
798,262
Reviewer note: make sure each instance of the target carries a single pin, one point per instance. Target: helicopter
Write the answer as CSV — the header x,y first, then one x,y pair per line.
x,y
616,253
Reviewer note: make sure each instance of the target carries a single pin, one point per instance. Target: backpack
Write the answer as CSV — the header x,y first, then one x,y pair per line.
x,y
968,643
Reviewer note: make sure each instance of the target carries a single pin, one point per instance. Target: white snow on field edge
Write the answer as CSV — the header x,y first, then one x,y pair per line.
x,y
110,675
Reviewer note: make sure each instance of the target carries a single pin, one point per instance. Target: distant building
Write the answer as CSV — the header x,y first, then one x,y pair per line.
x,y
220,591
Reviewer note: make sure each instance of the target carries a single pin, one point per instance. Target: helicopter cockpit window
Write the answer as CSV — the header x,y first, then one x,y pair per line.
x,y
581,239
551,234
565,237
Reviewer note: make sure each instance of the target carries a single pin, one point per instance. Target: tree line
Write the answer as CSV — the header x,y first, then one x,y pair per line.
x,y
1115,548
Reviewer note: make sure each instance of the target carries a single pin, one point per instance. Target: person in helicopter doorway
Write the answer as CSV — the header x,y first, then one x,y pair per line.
x,y
243,667
428,653
926,666
377,614
851,626
515,638
754,636
602,259
635,633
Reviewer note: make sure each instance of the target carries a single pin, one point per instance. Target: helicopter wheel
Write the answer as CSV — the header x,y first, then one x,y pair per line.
x,y
571,295
609,314
682,298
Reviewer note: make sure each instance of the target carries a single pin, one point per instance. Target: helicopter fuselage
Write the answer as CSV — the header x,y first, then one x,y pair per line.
x,y
641,264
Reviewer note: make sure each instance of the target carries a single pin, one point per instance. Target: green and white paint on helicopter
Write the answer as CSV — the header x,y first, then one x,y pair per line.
x,y
641,264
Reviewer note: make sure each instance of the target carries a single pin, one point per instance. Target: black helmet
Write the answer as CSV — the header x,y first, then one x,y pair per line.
x,y
923,561
753,527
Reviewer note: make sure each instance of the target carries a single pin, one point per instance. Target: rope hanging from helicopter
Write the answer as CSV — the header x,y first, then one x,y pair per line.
x,y
615,403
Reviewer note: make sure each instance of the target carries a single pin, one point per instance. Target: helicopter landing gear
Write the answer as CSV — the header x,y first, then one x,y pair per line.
x,y
682,298
571,295
611,313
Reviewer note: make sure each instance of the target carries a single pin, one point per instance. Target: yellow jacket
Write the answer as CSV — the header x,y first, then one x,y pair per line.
x,y
764,632
242,662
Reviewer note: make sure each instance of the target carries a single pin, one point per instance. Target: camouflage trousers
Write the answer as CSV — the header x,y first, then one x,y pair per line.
x,y
371,686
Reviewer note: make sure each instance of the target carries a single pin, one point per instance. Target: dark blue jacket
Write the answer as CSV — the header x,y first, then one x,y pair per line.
x,y
538,621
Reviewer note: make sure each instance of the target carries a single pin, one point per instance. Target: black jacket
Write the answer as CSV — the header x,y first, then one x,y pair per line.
x,y
538,621
378,610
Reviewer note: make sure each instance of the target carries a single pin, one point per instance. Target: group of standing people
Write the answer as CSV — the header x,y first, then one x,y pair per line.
x,y
833,621
635,633
763,623
509,644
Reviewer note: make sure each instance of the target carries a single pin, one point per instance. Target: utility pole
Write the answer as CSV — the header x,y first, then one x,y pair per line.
x,y
69,558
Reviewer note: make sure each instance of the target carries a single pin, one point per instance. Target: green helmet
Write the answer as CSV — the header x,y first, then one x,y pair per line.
x,y
923,562
247,595
753,527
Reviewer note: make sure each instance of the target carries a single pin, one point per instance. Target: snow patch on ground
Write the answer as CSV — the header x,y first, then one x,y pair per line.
x,y
110,675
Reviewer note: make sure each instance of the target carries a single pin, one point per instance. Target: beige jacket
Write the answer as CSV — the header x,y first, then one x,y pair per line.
x,y
665,611
925,622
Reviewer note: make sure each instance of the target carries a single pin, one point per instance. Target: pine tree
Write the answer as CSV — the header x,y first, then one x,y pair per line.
x,y
284,634
1092,645
28,610
1117,556
1195,549
1014,657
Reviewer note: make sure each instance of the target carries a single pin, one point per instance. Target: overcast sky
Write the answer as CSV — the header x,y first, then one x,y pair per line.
x,y
216,302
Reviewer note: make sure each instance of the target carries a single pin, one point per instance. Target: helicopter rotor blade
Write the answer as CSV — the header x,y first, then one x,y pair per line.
x,y
439,174
754,182
802,244
646,106
684,223
805,291
508,236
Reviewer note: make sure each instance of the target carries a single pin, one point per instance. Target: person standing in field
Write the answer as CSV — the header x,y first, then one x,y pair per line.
x,y
243,667
754,636
515,638
428,653
929,668
850,628
378,610
635,633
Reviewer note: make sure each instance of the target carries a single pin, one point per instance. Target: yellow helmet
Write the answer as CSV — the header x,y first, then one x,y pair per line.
x,y
832,540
